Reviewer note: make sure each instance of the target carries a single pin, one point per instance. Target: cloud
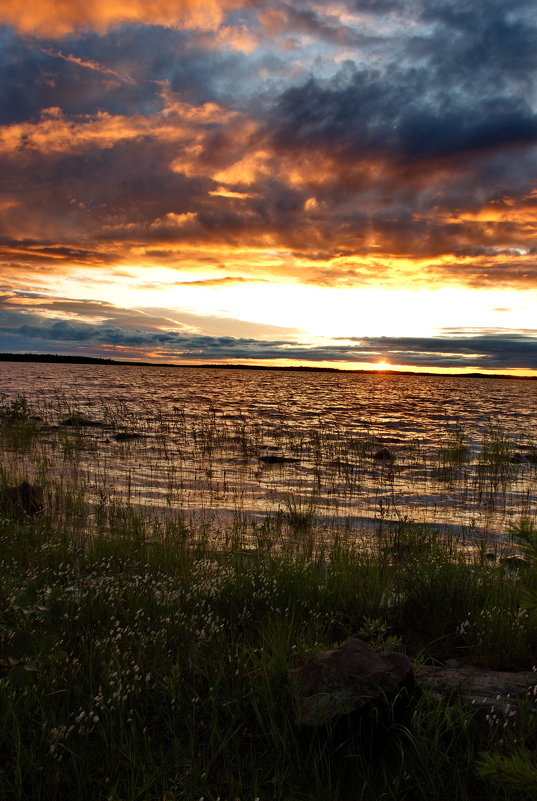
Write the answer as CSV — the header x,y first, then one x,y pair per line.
x,y
20,308
30,322
347,144
57,18
490,351
284,19
400,113
122,72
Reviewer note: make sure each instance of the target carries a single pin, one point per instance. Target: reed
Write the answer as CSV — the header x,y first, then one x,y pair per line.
x,y
163,458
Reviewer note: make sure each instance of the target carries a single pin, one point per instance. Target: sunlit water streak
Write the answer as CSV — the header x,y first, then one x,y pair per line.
x,y
227,442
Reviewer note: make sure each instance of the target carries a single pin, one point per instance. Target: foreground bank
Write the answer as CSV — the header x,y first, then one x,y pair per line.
x,y
144,665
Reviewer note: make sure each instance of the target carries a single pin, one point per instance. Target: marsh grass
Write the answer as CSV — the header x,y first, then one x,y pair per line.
x,y
160,457
145,653
152,666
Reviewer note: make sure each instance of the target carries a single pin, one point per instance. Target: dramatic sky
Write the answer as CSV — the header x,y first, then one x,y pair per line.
x,y
348,183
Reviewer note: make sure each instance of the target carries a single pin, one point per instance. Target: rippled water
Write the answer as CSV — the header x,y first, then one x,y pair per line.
x,y
228,442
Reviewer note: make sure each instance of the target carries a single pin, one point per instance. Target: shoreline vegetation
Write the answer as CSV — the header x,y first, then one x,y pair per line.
x,y
54,358
143,659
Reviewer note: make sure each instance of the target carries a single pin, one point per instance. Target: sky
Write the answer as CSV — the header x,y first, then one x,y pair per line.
x,y
349,184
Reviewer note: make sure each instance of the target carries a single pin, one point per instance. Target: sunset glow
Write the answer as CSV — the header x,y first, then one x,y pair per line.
x,y
348,185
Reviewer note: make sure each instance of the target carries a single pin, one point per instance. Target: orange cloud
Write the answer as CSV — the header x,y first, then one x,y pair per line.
x,y
54,132
238,38
219,187
221,191
57,18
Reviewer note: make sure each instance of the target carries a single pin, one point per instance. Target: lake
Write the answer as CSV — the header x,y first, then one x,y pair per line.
x,y
348,451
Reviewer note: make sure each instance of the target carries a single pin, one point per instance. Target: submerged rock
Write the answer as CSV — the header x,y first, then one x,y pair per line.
x,y
125,436
514,562
275,459
79,421
24,499
524,458
384,454
344,680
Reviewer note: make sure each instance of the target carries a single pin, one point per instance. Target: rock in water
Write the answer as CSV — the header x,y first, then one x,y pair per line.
x,y
275,459
126,436
79,421
384,455
25,499
344,680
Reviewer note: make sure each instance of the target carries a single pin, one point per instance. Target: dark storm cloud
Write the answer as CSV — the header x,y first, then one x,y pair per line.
x,y
77,195
390,114
376,6
43,252
495,38
432,132
488,351
448,95
121,72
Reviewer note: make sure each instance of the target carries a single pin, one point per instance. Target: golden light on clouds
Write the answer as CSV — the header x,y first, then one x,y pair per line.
x,y
56,18
290,183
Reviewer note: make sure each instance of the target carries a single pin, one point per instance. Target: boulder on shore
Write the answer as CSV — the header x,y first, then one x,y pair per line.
x,y
340,682
344,680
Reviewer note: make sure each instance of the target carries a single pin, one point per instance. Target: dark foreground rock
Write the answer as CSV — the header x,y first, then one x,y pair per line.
x,y
340,682
22,500
346,679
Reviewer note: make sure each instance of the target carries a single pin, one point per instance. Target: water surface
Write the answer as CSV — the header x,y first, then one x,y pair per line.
x,y
232,442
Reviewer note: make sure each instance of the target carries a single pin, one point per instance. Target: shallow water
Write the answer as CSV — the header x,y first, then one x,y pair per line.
x,y
227,442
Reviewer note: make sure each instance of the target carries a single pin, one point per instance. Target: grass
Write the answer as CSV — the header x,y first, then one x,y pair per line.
x,y
140,659
159,669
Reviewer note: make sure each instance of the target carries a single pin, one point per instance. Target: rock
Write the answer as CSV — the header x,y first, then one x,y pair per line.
x,y
384,455
125,436
344,680
274,459
480,687
519,458
79,421
514,562
18,502
524,458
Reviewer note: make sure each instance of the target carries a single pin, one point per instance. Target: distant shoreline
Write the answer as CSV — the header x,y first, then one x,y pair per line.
x,y
54,358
